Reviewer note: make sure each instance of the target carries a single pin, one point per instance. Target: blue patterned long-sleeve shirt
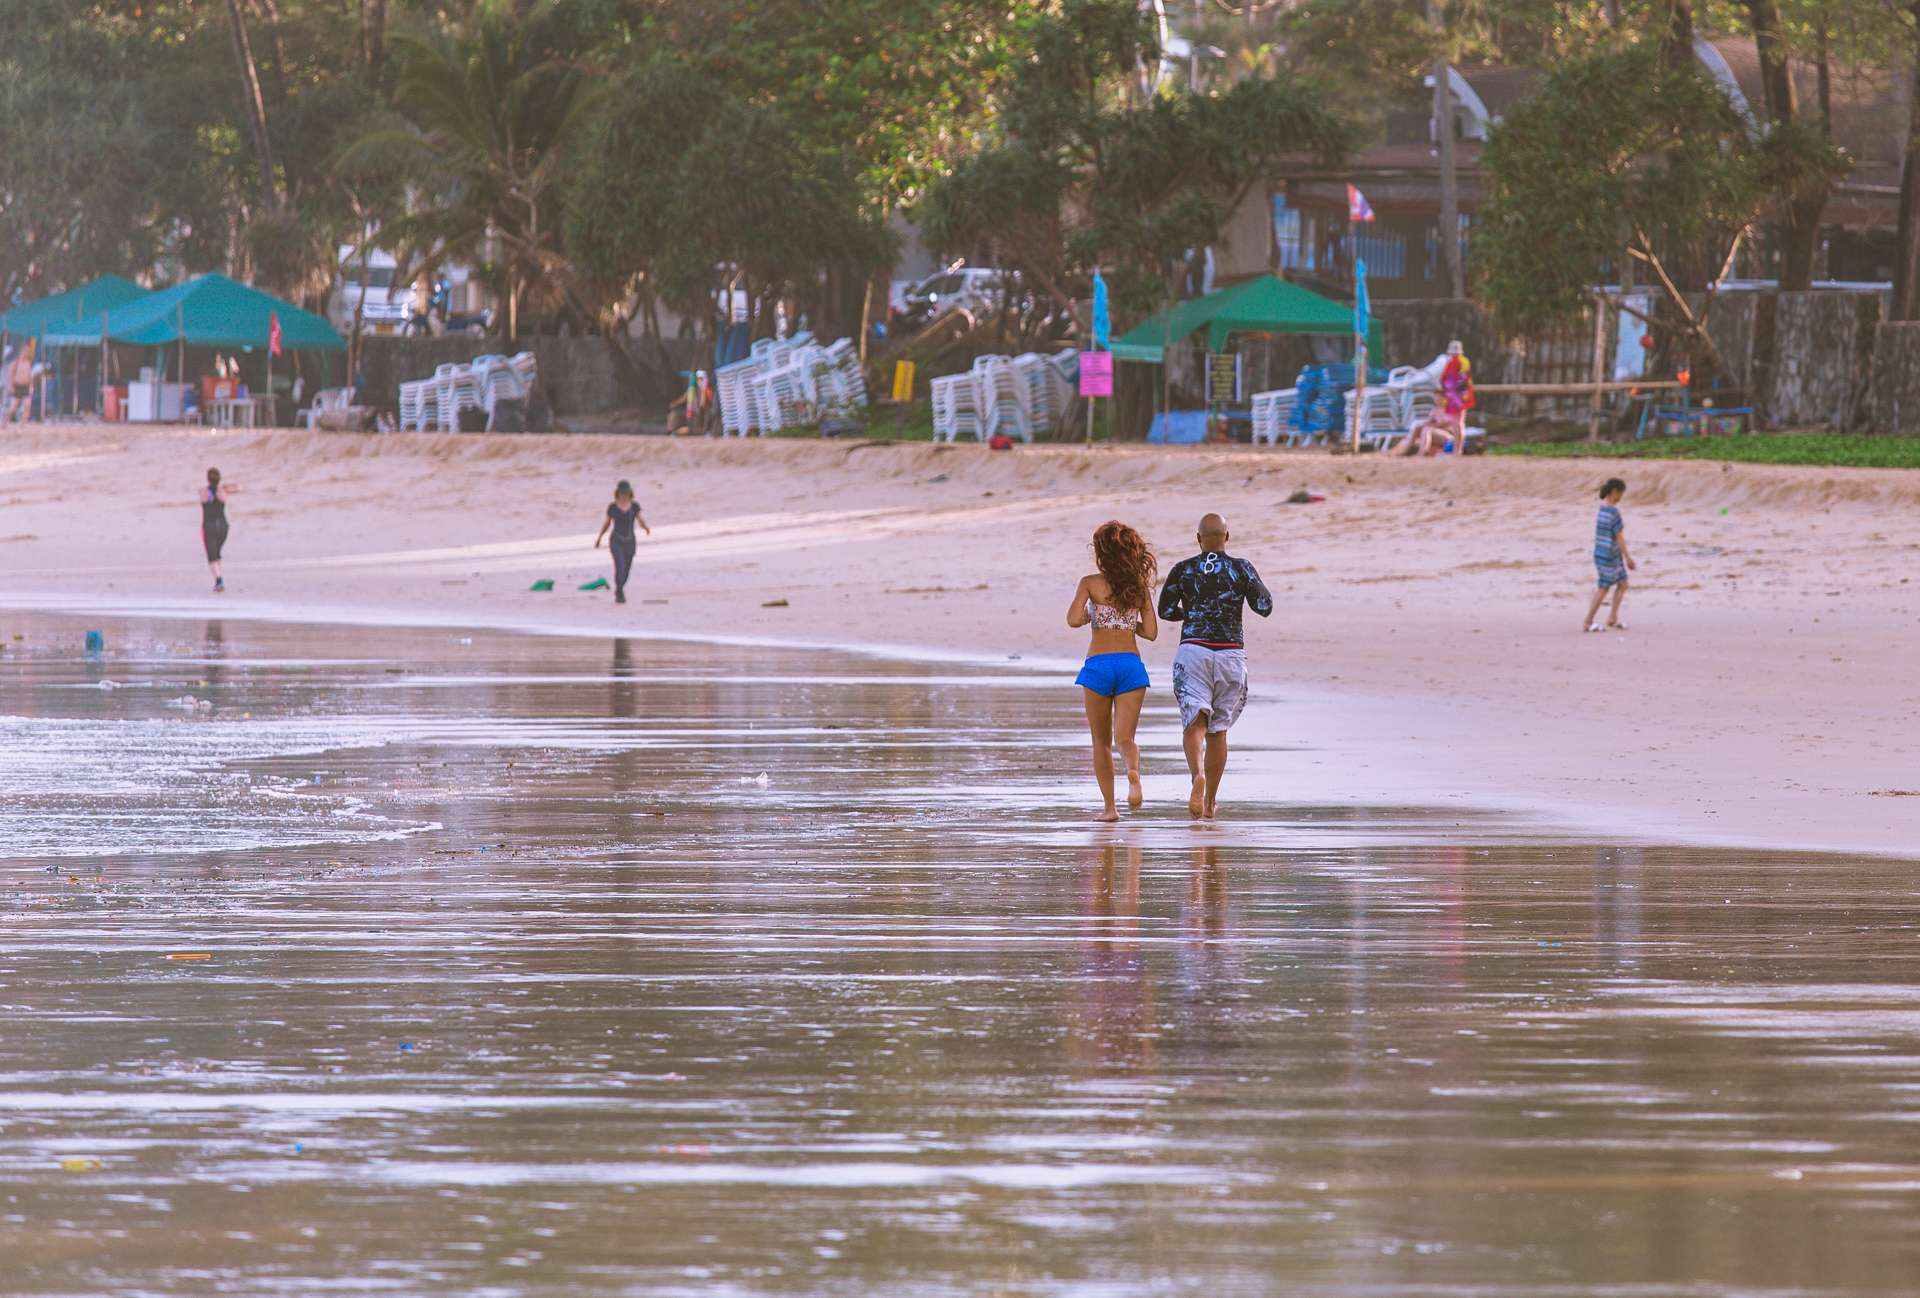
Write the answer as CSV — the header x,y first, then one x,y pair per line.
x,y
1204,595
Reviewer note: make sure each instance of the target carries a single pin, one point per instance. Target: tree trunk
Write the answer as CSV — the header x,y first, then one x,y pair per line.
x,y
1800,213
278,48
1449,175
1675,22
257,109
1906,266
373,31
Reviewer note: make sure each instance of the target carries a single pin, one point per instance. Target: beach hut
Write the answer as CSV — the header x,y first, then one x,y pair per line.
x,y
211,312
69,372
1267,305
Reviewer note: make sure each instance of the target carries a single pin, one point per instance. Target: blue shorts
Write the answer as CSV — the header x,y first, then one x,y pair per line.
x,y
1112,674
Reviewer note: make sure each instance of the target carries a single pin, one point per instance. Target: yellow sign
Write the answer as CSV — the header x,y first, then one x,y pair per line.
x,y
903,380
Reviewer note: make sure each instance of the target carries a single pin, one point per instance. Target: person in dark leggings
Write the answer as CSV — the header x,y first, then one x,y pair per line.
x,y
213,524
622,514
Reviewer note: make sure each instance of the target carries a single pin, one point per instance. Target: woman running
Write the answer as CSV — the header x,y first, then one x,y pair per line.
x,y
213,524
622,514
1118,601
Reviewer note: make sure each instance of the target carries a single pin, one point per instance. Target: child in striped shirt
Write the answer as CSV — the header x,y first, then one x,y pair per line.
x,y
1610,557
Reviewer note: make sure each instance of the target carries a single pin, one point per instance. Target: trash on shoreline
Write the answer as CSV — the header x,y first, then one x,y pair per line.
x,y
545,583
775,603
1305,497
598,583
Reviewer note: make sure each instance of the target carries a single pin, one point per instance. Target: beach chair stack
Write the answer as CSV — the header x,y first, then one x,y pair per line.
x,y
1273,416
434,404
1415,391
786,383
1320,403
1380,423
1020,396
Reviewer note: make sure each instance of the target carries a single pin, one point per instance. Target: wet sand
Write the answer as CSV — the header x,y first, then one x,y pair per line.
x,y
1427,636
533,965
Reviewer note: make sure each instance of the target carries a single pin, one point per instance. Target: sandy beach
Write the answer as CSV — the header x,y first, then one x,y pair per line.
x,y
1426,636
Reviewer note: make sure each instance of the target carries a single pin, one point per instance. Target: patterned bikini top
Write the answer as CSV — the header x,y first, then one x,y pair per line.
x,y
1108,618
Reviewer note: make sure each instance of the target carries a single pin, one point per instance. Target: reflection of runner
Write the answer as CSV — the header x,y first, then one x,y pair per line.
x,y
1204,594
213,524
1118,600
622,514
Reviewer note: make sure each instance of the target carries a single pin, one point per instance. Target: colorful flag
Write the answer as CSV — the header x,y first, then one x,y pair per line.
x,y
1102,326
1360,311
273,332
1357,209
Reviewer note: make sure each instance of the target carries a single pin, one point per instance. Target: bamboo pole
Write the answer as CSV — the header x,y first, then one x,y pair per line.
x,y
1599,362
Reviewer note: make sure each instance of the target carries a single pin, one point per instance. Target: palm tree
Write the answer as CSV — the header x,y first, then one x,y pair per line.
x,y
485,118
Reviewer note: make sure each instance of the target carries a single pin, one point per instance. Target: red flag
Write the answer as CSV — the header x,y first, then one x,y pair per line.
x,y
273,332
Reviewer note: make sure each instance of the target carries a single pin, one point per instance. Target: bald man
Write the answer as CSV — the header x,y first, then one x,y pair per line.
x,y
1204,594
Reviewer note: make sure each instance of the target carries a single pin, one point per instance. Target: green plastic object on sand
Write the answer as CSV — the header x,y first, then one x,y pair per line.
x,y
598,583
545,583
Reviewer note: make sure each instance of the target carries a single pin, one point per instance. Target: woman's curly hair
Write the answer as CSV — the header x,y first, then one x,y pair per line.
x,y
1127,562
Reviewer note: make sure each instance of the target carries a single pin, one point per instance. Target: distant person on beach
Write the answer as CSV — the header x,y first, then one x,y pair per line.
x,y
1118,601
19,384
622,514
1610,557
1204,594
1448,422
213,524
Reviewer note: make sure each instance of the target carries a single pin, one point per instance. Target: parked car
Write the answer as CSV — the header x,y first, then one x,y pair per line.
x,y
977,288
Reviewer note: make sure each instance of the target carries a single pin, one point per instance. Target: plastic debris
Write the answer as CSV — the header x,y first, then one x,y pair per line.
x,y
81,1165
775,603
545,583
598,583
1304,497
189,955
96,643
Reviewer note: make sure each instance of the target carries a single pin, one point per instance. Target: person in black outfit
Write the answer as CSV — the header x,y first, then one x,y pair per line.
x,y
1205,594
622,514
213,524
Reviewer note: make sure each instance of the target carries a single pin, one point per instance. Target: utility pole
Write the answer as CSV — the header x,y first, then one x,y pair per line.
x,y
1449,177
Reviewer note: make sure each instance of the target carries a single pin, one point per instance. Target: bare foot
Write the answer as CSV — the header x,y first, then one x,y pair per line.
x,y
1108,815
1206,812
1134,795
1195,798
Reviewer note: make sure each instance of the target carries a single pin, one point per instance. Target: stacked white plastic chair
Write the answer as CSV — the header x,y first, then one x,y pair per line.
x,y
783,383
1272,416
1022,396
1003,396
956,408
1379,415
436,402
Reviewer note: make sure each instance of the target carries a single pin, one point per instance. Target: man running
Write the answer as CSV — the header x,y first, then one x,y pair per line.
x,y
1204,595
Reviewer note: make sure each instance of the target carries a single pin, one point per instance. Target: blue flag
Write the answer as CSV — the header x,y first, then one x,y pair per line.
x,y
1360,311
1102,328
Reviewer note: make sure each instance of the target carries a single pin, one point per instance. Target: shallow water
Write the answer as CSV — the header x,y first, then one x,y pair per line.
x,y
519,979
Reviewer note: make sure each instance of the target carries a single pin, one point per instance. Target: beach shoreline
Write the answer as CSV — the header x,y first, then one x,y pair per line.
x,y
1426,636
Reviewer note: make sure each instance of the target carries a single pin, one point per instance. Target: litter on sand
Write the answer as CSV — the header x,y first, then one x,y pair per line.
x,y
598,583
1304,497
775,603
545,583
80,1165
189,955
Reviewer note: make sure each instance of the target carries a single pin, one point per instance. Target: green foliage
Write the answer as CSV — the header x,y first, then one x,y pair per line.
x,y
1826,450
1610,152
676,176
1144,183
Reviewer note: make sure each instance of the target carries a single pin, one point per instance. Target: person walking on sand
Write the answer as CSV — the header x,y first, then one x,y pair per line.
x,y
213,524
19,384
1610,557
1118,601
622,514
1204,594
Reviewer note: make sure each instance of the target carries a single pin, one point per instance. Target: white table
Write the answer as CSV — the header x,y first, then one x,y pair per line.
x,y
240,412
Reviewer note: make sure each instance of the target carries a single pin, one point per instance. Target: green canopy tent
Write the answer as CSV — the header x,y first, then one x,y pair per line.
x,y
1264,305
63,310
211,311
70,308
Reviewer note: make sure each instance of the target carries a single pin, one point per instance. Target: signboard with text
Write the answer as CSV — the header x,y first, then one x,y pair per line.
x,y
1223,378
1096,374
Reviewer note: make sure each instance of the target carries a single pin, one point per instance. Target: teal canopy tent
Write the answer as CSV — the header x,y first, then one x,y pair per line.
x,y
1264,305
54,314
212,311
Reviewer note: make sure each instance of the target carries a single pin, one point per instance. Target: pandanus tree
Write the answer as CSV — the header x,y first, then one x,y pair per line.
x,y
485,117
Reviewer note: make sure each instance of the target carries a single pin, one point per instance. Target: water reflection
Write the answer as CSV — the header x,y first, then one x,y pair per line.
x,y
614,1016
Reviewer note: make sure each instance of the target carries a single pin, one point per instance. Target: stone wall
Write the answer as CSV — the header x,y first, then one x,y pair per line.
x,y
1813,357
1895,377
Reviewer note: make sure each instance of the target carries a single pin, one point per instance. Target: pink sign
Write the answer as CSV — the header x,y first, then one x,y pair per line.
x,y
1096,374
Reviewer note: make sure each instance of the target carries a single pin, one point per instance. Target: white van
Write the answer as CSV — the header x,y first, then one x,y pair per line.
x,y
386,307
